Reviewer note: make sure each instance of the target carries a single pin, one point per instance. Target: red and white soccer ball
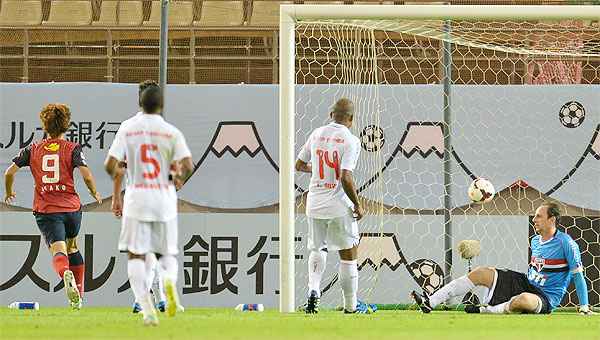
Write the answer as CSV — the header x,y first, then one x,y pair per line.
x,y
481,190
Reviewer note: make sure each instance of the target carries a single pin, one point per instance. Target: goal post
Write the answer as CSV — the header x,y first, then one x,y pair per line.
x,y
287,195
390,18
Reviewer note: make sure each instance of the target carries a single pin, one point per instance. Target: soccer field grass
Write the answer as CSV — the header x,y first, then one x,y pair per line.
x,y
119,323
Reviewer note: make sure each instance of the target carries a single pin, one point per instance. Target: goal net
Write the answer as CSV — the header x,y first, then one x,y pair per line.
x,y
438,104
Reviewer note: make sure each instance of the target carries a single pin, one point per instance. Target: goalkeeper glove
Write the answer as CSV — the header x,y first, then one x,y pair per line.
x,y
585,310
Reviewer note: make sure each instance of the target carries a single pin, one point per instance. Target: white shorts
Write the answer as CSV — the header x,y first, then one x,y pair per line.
x,y
142,237
334,234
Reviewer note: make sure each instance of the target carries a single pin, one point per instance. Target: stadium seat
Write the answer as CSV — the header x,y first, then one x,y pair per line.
x,y
373,3
108,14
266,13
181,13
322,2
21,13
130,13
221,13
69,13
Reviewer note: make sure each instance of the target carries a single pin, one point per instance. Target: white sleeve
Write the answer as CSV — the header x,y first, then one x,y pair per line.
x,y
181,148
351,153
118,147
304,154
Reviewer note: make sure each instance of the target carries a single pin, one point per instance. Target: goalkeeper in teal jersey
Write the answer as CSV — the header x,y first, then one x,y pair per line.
x,y
555,260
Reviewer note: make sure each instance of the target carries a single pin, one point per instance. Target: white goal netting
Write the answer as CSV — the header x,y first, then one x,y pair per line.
x,y
520,108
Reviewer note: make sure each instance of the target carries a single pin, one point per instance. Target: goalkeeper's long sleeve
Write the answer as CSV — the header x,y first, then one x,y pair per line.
x,y
581,287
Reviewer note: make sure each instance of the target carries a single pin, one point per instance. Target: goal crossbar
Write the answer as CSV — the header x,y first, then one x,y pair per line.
x,y
292,13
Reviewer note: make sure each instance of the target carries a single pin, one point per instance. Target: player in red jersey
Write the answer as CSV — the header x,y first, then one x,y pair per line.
x,y
56,205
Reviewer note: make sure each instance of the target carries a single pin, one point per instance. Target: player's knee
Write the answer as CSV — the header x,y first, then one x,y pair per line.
x,y
58,247
524,303
482,275
72,245
349,254
133,256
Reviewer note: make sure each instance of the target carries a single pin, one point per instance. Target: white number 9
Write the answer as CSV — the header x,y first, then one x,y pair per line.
x,y
54,168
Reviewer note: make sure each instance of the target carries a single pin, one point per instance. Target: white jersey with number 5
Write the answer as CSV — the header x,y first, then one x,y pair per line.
x,y
330,149
149,145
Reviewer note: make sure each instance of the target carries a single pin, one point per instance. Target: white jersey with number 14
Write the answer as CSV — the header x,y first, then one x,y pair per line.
x,y
330,149
150,145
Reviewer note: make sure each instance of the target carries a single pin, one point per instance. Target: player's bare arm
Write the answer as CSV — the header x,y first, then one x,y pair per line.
x,y
111,167
302,166
90,183
117,200
9,180
185,169
350,190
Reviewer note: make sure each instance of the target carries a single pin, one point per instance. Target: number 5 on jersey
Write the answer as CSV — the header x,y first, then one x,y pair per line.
x,y
148,159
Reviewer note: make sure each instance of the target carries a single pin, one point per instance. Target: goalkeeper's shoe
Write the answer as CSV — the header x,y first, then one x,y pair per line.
x,y
585,310
472,309
312,305
422,300
136,308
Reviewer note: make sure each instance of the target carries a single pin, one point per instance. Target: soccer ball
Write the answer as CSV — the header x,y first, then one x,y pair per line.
x,y
481,190
372,138
571,114
428,274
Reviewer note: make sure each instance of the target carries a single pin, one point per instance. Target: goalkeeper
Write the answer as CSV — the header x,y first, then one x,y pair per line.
x,y
555,259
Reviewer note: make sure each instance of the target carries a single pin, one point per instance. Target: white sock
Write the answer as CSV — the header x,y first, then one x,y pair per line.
x,y
457,287
157,285
316,267
497,309
150,264
168,264
349,283
136,270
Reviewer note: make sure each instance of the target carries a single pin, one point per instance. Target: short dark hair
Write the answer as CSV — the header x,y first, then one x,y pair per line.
x,y
552,209
56,119
152,99
144,85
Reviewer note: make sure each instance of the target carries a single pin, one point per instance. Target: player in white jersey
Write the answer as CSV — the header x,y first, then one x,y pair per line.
x,y
152,148
333,209
154,279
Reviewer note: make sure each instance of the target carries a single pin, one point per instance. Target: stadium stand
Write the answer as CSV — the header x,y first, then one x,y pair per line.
x,y
266,13
221,13
21,13
120,13
69,13
210,41
181,13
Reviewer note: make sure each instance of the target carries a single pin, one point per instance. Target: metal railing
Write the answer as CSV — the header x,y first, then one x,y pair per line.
x,y
117,54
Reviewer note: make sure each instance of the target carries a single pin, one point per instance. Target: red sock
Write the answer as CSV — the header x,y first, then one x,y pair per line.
x,y
60,262
78,268
78,272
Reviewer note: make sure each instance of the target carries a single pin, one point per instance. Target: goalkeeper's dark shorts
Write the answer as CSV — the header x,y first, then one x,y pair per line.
x,y
510,283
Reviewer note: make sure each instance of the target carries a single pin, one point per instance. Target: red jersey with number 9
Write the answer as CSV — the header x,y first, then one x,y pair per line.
x,y
52,162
